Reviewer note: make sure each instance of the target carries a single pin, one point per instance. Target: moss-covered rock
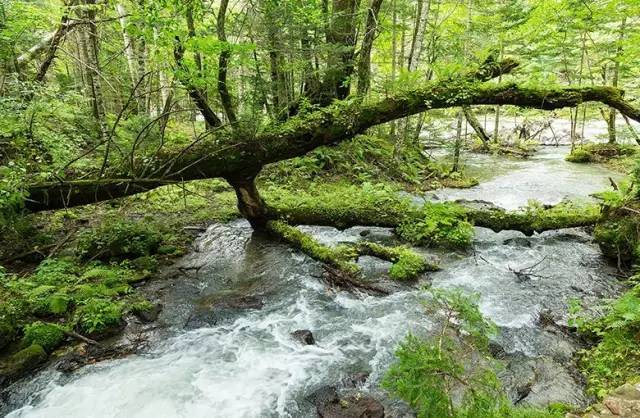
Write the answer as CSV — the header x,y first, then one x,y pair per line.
x,y
48,336
598,153
99,318
618,235
22,362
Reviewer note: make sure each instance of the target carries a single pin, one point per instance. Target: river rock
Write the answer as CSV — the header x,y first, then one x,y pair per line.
x,y
358,405
151,314
623,402
22,362
304,336
355,380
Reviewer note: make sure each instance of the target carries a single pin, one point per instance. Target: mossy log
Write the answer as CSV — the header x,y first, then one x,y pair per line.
x,y
407,264
233,154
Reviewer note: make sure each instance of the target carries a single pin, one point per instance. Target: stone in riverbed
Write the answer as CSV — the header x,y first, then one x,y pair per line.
x,y
358,405
150,315
22,362
304,336
355,380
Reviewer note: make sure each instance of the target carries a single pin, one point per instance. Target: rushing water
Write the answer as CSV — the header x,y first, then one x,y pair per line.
x,y
220,361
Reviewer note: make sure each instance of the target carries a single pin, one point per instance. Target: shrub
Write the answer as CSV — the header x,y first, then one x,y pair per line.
x,y
48,336
119,239
615,358
98,316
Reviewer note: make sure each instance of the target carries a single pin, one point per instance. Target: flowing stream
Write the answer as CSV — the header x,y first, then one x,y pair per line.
x,y
227,349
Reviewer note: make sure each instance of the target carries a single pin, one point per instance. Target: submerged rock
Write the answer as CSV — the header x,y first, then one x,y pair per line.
x,y
304,336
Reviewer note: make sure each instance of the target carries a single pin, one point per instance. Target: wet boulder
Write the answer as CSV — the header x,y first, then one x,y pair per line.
x,y
358,405
355,380
304,336
149,315
22,362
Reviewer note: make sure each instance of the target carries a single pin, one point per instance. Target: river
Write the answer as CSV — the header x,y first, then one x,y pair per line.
x,y
216,360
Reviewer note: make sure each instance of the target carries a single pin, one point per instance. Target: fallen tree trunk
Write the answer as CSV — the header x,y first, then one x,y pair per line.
x,y
231,154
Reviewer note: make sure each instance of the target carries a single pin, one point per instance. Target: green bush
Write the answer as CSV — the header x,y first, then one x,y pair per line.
x,y
118,239
48,336
615,357
99,316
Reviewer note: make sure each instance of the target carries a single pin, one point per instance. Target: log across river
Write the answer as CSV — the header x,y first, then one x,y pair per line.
x,y
227,349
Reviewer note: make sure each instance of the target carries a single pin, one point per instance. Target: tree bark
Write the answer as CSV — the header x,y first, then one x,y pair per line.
x,y
342,37
129,51
422,17
197,95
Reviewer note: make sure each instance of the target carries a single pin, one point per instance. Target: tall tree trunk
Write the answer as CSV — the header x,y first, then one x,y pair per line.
x,y
364,64
394,61
223,62
458,144
91,47
496,121
611,119
342,37
129,51
422,18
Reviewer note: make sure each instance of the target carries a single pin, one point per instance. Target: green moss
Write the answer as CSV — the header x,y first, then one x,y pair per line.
x,y
407,264
140,306
536,218
7,333
340,204
48,336
598,153
23,361
437,224
118,239
618,236
338,257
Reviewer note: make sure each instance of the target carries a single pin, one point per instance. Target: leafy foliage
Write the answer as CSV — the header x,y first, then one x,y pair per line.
x,y
117,239
48,336
615,357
